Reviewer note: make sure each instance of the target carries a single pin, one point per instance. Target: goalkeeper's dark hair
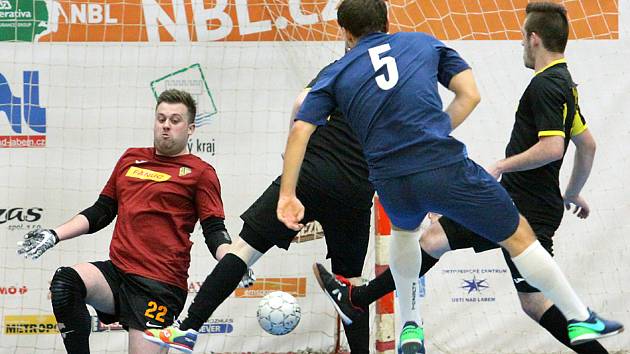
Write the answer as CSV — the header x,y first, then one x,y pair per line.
x,y
549,21
179,96
362,17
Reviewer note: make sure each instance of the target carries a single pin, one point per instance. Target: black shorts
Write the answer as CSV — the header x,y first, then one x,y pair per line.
x,y
459,238
140,303
346,229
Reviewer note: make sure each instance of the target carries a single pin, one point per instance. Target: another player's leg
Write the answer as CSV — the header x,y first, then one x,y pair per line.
x,y
357,327
221,282
261,231
534,303
71,289
347,234
217,287
434,243
541,271
358,333
352,301
548,316
403,198
405,262
339,290
542,310
447,235
480,204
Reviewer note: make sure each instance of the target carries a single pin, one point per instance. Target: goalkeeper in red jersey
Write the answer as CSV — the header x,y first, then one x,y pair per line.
x,y
158,194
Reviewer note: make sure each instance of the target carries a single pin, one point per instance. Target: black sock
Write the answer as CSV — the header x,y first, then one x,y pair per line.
x,y
364,295
68,302
214,290
555,323
358,335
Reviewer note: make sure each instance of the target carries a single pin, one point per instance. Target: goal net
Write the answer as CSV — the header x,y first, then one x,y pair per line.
x,y
77,87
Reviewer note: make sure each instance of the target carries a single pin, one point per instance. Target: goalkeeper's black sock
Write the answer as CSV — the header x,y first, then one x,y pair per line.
x,y
364,295
68,292
214,290
555,323
358,334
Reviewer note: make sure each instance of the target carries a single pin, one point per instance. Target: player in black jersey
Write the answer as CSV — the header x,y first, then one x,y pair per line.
x,y
548,117
335,189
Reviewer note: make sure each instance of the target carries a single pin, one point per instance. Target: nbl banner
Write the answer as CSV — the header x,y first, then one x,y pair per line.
x,y
273,20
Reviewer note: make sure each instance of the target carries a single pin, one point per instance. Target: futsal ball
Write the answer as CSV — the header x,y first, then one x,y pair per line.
x,y
278,313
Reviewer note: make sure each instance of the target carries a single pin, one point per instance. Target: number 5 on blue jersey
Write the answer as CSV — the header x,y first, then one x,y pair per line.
x,y
378,62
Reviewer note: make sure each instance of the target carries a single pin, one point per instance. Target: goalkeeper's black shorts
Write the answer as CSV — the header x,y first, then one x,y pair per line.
x,y
346,229
141,303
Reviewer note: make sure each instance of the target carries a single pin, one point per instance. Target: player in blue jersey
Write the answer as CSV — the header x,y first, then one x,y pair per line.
x,y
386,87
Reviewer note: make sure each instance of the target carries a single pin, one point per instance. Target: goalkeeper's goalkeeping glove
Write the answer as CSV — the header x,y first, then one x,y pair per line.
x,y
36,242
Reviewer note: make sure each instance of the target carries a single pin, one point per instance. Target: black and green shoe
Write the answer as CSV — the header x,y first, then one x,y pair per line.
x,y
411,339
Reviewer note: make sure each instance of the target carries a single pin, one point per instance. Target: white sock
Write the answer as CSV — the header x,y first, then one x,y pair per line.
x,y
405,260
541,271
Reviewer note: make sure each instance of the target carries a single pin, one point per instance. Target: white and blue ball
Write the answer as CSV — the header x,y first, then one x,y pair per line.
x,y
278,313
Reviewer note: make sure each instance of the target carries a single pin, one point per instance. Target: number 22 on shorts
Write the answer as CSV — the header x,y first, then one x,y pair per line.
x,y
156,312
378,62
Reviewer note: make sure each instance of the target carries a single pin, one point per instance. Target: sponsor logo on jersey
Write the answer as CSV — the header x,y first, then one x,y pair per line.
x,y
146,174
30,324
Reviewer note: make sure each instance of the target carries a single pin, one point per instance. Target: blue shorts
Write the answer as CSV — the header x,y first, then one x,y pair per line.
x,y
462,191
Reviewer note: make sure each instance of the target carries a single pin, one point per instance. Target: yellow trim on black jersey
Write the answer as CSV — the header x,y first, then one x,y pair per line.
x,y
576,132
555,62
579,126
551,133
